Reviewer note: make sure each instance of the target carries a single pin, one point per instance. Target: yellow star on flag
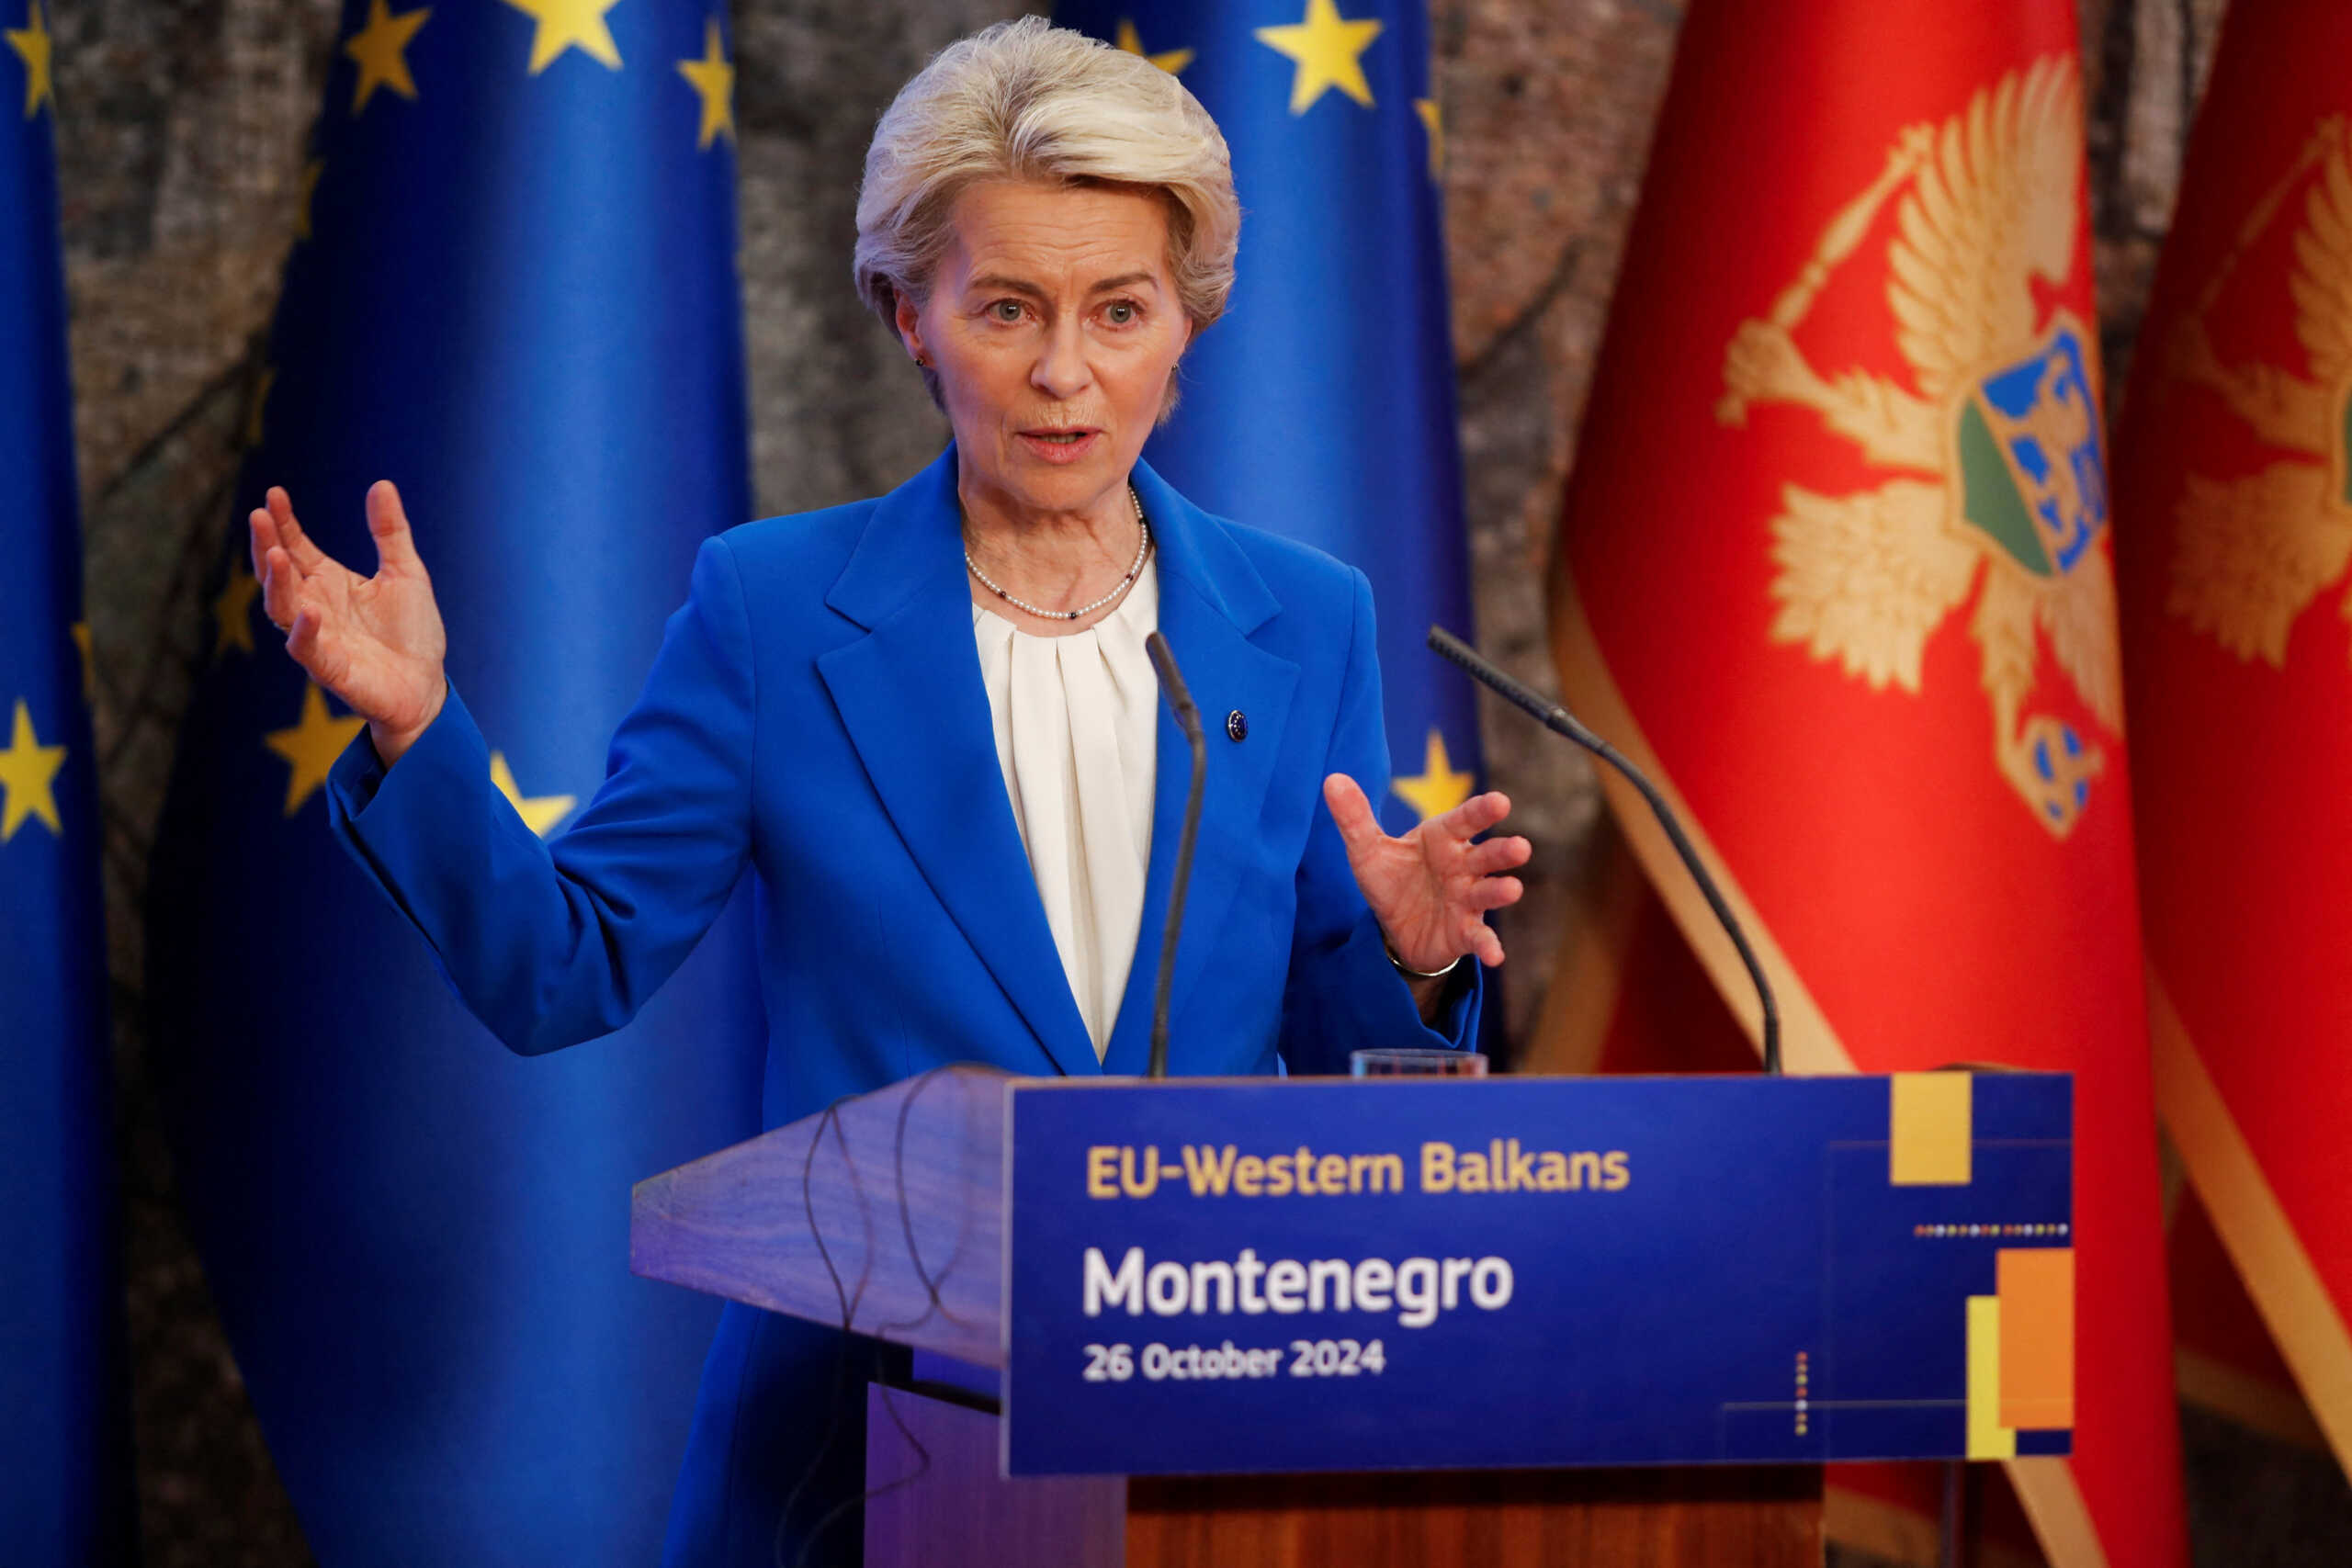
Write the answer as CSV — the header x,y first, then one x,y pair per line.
x,y
311,746
540,813
1434,123
81,631
567,24
378,49
1437,788
232,611
1172,60
713,80
311,173
28,771
32,42
1328,49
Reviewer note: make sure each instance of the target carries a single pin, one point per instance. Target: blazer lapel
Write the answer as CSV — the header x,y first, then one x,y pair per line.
x,y
909,693
1211,598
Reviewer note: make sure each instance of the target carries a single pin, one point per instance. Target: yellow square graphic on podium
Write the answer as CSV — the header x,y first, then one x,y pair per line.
x,y
1930,1117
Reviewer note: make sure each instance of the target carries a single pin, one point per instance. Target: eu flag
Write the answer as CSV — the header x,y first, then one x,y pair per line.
x,y
1322,406
512,291
63,1489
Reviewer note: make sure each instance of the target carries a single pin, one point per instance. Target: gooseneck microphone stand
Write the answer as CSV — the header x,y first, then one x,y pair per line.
x,y
1188,719
1560,721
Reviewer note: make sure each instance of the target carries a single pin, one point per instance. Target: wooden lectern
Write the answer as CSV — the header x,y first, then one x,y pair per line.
x,y
908,1189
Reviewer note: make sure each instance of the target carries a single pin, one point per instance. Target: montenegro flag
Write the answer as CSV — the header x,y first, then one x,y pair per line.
x,y
2238,508
1835,568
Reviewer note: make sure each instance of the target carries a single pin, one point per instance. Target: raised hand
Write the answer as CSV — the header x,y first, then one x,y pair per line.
x,y
1431,888
375,642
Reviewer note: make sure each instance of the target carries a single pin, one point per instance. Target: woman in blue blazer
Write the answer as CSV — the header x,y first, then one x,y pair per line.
x,y
917,720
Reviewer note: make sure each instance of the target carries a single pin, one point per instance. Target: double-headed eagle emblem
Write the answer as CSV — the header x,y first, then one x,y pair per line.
x,y
2252,553
1998,472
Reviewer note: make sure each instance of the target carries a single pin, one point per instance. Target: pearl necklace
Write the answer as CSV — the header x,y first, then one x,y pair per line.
x,y
1143,546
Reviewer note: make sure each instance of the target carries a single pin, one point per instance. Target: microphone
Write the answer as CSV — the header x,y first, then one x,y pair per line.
x,y
1188,719
1559,720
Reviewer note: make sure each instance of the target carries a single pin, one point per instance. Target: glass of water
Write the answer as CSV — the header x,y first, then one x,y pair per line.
x,y
1416,1061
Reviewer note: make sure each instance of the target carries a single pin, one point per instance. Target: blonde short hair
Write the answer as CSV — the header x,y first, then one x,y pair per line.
x,y
1027,100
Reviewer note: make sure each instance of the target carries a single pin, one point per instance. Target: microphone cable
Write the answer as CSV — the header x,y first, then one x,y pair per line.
x,y
849,1300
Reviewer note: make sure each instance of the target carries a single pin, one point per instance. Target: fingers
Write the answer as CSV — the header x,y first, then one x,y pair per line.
x,y
1492,892
1497,855
1473,816
388,524
1472,905
260,535
1352,813
322,656
306,554
308,644
281,587
302,641
1461,883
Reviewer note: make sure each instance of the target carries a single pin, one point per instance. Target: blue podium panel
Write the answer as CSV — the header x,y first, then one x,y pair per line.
x,y
1329,1274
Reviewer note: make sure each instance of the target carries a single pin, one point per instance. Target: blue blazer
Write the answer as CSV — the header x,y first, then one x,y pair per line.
x,y
816,715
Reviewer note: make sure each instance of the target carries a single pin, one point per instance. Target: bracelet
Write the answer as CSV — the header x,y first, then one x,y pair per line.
x,y
1410,971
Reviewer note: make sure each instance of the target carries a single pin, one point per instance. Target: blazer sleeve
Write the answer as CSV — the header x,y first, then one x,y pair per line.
x,y
553,942
1343,993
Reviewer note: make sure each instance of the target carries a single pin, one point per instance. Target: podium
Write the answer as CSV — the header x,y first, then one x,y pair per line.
x,y
1503,1321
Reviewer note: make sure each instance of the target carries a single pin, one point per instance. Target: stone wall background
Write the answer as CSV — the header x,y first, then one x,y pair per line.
x,y
181,125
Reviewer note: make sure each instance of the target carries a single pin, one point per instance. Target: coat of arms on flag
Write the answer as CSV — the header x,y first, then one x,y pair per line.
x,y
1992,455
2235,493
2252,552
1836,565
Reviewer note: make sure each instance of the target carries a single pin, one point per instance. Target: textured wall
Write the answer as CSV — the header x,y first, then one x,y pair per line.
x,y
181,129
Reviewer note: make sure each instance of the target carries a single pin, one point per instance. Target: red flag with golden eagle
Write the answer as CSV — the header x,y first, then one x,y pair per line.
x,y
2236,500
1835,566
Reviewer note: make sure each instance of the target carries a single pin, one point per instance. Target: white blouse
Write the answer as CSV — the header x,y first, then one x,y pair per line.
x,y
1077,726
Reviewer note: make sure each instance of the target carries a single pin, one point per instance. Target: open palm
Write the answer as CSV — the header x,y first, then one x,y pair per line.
x,y
1430,889
375,642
